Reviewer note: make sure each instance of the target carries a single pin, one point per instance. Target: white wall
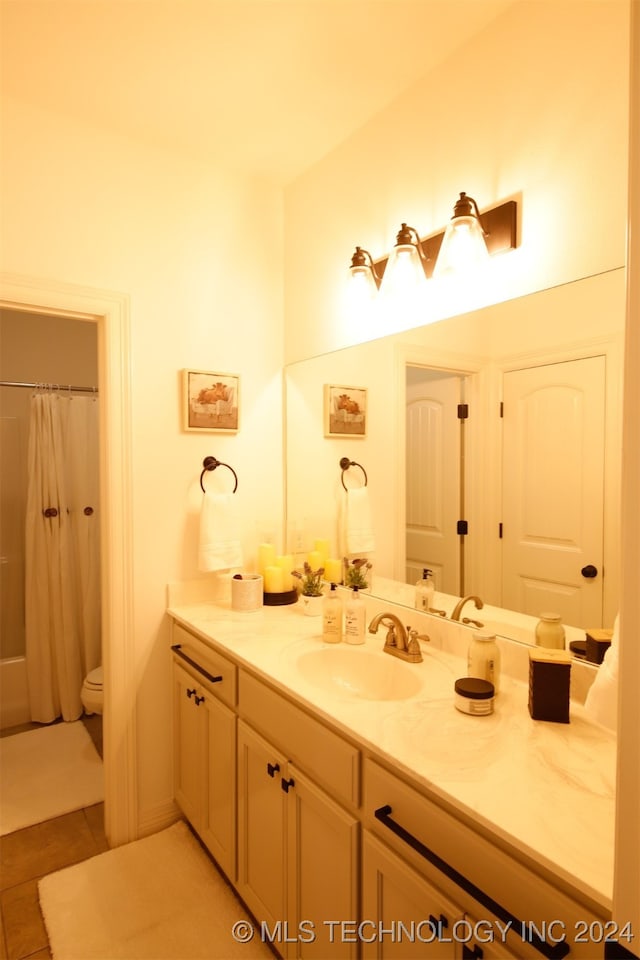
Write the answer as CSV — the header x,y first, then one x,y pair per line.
x,y
535,108
84,207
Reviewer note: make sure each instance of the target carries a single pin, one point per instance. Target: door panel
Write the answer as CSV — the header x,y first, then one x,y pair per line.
x,y
433,481
553,483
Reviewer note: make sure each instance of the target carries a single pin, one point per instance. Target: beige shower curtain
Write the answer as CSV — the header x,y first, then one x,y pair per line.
x,y
62,586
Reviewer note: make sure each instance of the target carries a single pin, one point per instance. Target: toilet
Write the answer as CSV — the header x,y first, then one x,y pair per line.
x,y
91,693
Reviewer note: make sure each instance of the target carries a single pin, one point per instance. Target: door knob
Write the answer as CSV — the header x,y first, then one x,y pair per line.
x,y
589,571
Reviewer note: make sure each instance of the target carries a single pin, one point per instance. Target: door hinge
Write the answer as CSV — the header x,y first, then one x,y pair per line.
x,y
500,531
463,411
462,528
502,408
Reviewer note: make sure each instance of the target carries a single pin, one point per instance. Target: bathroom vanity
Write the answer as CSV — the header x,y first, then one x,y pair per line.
x,y
358,814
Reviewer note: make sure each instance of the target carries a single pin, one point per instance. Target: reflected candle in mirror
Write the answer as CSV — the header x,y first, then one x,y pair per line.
x,y
314,559
322,547
273,580
286,565
333,570
266,557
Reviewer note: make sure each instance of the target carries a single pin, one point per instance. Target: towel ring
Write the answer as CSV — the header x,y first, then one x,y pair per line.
x,y
210,463
345,463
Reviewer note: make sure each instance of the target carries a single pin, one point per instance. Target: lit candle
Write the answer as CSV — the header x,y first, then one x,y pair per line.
x,y
322,547
273,580
286,565
333,570
266,557
314,559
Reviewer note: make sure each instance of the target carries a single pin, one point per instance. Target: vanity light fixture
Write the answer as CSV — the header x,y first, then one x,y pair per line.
x,y
495,230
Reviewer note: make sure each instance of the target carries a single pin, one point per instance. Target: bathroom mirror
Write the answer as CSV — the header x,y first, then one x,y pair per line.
x,y
492,354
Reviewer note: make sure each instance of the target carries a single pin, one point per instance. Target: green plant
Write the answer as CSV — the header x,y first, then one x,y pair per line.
x,y
311,580
357,573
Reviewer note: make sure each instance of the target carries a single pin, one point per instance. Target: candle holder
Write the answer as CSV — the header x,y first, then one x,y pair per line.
x,y
279,599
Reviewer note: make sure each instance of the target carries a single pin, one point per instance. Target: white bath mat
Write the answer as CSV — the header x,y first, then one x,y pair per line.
x,y
160,898
47,772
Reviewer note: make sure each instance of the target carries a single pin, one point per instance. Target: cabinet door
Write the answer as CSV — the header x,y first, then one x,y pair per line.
x,y
261,827
322,871
188,758
403,916
218,825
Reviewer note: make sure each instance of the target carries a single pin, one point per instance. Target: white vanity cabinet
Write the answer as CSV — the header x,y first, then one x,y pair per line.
x,y
204,732
298,847
506,909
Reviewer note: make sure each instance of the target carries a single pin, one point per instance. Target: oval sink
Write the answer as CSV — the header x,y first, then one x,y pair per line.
x,y
359,674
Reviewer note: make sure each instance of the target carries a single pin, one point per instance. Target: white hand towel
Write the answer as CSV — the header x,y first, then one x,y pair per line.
x,y
601,701
220,547
359,528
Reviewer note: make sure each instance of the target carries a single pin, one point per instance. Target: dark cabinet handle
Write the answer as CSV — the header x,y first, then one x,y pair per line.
x,y
285,784
555,951
272,769
50,512
191,693
199,700
589,571
475,954
196,666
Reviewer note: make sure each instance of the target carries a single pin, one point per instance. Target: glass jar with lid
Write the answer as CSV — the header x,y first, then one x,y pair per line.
x,y
550,632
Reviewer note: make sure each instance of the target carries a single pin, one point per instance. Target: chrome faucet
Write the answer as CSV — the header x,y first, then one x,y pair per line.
x,y
457,610
400,642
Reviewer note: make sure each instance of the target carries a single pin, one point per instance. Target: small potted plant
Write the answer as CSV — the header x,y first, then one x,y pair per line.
x,y
310,589
357,573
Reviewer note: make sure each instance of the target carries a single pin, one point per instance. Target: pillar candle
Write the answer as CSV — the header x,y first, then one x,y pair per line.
x,y
286,565
266,557
333,570
314,559
322,547
273,580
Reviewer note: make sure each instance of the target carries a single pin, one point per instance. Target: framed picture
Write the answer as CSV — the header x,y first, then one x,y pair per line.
x,y
211,401
345,411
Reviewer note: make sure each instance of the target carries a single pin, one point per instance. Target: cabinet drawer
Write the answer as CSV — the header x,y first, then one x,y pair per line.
x,y
485,880
205,663
323,754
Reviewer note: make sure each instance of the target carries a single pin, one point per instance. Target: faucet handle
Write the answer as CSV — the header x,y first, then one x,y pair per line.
x,y
412,640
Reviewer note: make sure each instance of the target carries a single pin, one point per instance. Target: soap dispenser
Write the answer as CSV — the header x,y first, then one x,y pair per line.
x,y
332,616
425,590
354,616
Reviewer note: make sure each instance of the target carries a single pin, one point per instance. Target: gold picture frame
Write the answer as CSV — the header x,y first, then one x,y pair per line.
x,y
345,411
210,401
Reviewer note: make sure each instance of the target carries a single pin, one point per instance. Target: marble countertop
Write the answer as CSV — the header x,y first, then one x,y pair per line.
x,y
546,789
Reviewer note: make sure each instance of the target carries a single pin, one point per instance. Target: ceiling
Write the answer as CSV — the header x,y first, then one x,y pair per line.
x,y
264,87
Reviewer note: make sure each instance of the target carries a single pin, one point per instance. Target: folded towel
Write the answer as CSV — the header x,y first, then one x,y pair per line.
x,y
220,547
358,535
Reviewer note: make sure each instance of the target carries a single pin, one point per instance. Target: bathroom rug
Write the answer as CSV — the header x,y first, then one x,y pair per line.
x,y
47,772
159,898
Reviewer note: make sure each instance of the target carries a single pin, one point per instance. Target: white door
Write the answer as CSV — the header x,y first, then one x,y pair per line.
x,y
553,490
433,505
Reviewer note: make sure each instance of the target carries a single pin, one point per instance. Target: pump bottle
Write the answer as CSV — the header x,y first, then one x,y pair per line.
x,y
332,616
354,616
425,590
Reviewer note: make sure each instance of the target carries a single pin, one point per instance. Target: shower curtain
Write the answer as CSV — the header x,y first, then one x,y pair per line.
x,y
62,586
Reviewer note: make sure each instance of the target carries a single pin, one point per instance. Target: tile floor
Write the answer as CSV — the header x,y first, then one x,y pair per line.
x,y
29,854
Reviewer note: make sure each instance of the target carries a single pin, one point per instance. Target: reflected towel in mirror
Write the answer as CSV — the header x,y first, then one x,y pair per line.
x,y
356,526
219,547
601,701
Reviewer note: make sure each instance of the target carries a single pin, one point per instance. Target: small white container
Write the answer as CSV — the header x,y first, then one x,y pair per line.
x,y
354,617
483,658
332,616
246,592
474,696
425,590
550,632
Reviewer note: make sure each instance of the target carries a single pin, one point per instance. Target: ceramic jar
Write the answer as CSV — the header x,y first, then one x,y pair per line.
x,y
550,632
311,606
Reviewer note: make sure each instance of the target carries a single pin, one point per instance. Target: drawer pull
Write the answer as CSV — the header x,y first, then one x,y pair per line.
x,y
196,666
272,769
285,784
438,924
199,700
552,951
475,954
190,693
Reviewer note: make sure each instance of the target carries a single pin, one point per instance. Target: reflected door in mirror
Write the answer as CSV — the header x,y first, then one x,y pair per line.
x,y
553,483
433,491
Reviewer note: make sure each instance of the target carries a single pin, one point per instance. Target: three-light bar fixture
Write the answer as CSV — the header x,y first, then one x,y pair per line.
x,y
468,241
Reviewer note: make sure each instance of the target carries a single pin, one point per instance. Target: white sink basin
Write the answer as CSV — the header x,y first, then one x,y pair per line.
x,y
354,673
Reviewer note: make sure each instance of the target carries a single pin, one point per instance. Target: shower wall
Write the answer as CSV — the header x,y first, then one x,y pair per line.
x,y
33,348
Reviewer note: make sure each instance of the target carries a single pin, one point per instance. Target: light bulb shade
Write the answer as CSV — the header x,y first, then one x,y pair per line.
x,y
463,249
362,287
404,273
